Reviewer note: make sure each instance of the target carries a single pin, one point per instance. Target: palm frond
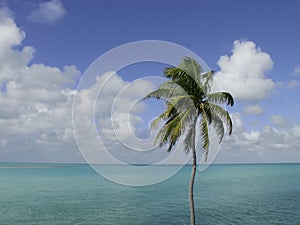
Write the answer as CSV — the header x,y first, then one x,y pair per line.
x,y
207,81
188,139
164,133
181,102
223,114
221,98
170,112
204,135
192,67
173,128
156,121
205,108
184,80
162,93
172,85
218,126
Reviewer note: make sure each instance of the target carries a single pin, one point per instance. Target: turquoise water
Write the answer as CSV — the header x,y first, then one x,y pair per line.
x,y
75,194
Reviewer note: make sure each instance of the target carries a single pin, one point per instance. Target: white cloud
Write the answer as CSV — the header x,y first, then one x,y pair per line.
x,y
242,139
296,70
270,144
10,34
116,119
293,84
253,136
278,120
36,101
296,131
253,110
243,73
36,109
48,12
11,60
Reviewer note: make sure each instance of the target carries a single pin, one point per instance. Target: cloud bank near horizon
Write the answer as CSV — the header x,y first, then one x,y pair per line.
x,y
36,105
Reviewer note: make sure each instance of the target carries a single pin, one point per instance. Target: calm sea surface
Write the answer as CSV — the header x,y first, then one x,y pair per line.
x,y
224,194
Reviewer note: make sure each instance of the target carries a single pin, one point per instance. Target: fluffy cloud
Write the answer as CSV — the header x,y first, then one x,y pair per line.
x,y
243,73
267,145
35,99
36,108
296,70
293,84
48,12
11,60
296,131
253,110
278,120
10,34
107,121
241,139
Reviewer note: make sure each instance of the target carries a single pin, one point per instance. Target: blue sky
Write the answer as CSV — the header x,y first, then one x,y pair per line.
x,y
265,34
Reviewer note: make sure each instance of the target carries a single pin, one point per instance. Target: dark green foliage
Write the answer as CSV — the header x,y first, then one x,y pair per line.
x,y
188,100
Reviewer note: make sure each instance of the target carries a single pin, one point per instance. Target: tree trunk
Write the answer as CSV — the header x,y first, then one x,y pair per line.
x,y
192,207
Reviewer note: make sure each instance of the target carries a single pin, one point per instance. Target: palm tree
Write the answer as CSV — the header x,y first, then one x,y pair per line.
x,y
188,99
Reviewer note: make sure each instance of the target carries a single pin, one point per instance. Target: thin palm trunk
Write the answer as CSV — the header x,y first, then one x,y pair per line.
x,y
192,208
194,165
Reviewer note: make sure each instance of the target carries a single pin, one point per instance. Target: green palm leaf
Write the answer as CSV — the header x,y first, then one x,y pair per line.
x,y
184,80
223,114
204,135
221,98
191,67
218,126
188,140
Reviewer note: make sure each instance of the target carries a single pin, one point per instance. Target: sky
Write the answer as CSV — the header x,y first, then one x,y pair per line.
x,y
47,47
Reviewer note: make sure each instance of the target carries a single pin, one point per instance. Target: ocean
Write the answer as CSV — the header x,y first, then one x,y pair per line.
x,y
45,194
